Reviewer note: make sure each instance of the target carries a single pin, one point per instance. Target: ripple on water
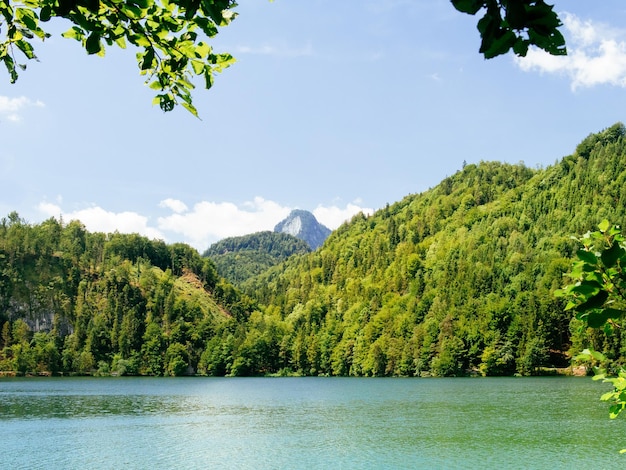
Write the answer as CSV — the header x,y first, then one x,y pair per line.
x,y
302,423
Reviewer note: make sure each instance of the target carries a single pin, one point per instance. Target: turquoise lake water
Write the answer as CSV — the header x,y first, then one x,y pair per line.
x,y
307,423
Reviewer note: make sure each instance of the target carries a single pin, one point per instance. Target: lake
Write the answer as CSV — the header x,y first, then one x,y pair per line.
x,y
307,423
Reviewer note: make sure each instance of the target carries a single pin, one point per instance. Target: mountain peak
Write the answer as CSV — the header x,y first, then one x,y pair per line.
x,y
303,225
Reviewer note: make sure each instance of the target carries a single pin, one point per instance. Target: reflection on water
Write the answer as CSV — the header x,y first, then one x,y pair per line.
x,y
304,423
81,406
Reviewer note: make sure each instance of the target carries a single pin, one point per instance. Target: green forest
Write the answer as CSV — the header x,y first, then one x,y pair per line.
x,y
456,280
240,258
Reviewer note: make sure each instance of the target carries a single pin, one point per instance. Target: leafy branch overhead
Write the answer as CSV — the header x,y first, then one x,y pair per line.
x,y
169,34
515,24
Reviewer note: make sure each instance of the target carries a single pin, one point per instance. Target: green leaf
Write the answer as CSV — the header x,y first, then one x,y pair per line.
x,y
132,11
592,353
587,256
610,256
189,107
92,5
587,288
222,61
207,26
139,40
184,84
202,50
156,85
606,396
594,302
147,61
46,13
143,4
596,319
121,42
521,47
74,33
93,44
166,102
468,6
613,313
26,48
615,410
516,14
604,225
27,18
198,66
499,44
208,77
10,65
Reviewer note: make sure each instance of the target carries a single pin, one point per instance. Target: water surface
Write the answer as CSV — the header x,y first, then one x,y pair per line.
x,y
307,423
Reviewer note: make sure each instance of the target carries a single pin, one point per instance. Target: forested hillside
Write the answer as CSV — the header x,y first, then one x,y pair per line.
x,y
240,258
79,302
459,279
456,279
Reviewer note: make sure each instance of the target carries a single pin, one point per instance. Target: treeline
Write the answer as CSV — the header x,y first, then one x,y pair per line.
x,y
79,302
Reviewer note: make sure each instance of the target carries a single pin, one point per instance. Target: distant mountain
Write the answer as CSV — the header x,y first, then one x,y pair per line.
x,y
303,225
239,258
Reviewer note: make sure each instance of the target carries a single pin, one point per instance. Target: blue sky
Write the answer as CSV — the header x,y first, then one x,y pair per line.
x,y
332,107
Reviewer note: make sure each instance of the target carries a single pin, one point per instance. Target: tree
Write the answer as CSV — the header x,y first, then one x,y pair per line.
x,y
171,50
168,33
597,295
176,360
515,24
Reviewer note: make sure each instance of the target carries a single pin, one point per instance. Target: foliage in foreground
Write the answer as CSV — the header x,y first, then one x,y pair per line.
x,y
171,34
597,295
515,25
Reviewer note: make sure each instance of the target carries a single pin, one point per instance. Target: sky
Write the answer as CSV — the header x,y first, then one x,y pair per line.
x,y
332,107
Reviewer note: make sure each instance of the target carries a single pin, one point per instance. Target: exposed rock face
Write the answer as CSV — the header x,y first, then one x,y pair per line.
x,y
303,225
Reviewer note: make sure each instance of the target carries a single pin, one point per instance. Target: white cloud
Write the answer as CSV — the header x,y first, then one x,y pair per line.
x,y
282,50
173,204
205,223
333,216
10,107
96,219
209,222
596,55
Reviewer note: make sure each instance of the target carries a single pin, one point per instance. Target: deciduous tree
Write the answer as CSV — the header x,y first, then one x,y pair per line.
x,y
170,36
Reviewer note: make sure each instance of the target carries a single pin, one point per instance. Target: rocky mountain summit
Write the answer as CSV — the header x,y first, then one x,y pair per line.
x,y
303,225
